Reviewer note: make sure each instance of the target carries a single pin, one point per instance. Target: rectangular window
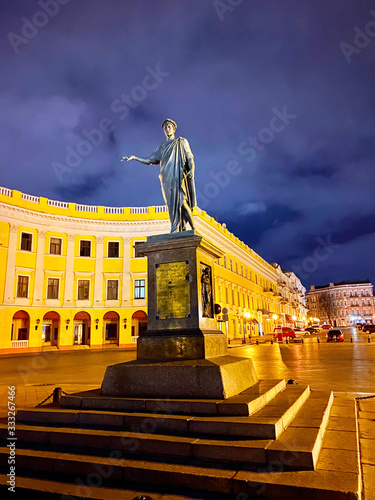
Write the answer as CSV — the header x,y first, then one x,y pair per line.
x,y
233,301
53,288
26,241
55,246
241,270
225,261
135,246
85,248
239,298
226,295
83,289
112,290
231,265
139,289
23,286
237,267
113,249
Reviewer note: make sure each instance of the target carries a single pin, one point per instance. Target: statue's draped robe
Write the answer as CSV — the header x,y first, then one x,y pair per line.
x,y
177,187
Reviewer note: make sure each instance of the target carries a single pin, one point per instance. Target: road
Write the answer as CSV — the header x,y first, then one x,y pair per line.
x,y
342,366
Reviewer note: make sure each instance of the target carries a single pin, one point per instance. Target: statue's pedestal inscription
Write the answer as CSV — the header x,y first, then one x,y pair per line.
x,y
172,290
182,354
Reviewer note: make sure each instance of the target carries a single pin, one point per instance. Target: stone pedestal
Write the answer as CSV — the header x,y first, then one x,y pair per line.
x,y
182,354
215,378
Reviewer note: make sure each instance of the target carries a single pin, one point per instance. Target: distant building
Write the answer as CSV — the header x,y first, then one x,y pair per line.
x,y
342,304
69,278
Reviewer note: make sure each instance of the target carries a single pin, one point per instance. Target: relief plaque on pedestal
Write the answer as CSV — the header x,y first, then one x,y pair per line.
x,y
172,290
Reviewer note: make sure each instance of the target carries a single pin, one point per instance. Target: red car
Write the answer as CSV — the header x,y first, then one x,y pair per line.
x,y
325,327
281,332
335,335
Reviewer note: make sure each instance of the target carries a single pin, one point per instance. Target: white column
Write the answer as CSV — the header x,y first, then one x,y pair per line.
x,y
126,282
11,265
98,290
39,270
69,272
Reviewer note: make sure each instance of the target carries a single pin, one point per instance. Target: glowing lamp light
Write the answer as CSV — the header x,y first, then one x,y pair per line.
x,y
274,316
294,318
247,315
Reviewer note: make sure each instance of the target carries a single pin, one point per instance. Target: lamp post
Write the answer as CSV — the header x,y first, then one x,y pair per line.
x,y
246,316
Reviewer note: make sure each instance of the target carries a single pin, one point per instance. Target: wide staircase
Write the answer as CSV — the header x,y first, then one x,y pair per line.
x,y
273,441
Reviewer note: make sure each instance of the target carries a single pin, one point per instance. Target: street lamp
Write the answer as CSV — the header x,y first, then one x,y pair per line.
x,y
247,316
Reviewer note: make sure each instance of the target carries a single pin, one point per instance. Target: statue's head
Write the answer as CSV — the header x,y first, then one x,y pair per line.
x,y
169,121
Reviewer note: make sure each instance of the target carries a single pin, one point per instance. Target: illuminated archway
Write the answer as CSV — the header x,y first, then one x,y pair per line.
x,y
20,328
110,327
50,328
82,328
139,323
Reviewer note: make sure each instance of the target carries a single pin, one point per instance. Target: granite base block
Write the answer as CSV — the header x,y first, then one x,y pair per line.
x,y
216,378
181,346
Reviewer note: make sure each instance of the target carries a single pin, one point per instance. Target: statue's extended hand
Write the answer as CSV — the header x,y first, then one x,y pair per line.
x,y
127,158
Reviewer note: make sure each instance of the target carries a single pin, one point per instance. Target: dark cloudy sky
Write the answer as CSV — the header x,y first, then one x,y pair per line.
x,y
293,77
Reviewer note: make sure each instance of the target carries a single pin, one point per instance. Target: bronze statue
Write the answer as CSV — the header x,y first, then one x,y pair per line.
x,y
206,292
176,175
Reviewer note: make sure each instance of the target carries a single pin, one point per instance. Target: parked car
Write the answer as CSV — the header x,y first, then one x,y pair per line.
x,y
325,327
299,333
281,332
368,328
311,330
335,335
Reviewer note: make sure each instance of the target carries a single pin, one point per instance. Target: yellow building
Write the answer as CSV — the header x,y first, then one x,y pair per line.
x,y
69,278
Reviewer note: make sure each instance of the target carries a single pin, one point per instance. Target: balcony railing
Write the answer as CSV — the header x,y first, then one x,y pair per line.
x,y
29,197
113,210
139,210
5,191
58,204
161,208
86,208
20,343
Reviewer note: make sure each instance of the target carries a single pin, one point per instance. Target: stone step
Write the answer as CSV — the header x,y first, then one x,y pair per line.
x,y
103,441
303,438
267,423
272,482
244,404
37,488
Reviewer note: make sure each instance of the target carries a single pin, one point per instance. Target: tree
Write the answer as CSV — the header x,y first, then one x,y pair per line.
x,y
327,306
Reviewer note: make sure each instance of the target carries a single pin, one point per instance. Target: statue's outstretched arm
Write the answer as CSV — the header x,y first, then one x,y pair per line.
x,y
146,161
